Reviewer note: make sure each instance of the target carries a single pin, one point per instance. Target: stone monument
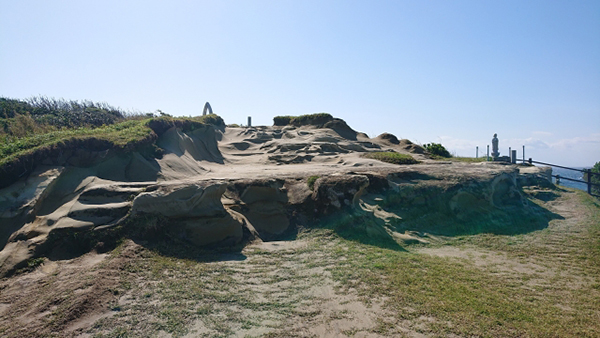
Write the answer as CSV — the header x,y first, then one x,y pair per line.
x,y
208,108
495,152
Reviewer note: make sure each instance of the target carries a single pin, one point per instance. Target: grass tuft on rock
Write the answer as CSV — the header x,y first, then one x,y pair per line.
x,y
311,182
391,157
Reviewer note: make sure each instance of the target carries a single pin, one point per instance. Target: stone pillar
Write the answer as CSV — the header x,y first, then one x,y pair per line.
x,y
249,121
513,157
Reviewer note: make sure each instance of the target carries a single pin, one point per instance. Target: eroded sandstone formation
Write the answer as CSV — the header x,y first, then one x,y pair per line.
x,y
223,188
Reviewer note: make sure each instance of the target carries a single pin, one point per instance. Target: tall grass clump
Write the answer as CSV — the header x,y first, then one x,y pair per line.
x,y
62,113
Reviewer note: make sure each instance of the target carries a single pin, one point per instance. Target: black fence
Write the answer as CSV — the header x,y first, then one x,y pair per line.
x,y
587,175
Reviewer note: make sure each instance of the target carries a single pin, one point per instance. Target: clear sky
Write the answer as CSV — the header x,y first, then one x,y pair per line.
x,y
454,72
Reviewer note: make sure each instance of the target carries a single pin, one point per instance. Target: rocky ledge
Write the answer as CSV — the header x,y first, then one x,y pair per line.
x,y
46,215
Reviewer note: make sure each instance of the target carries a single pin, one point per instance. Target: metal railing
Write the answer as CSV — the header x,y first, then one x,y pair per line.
x,y
588,175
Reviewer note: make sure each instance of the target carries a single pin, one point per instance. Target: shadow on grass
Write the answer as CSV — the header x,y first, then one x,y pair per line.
x,y
184,250
152,233
510,220
218,252
360,228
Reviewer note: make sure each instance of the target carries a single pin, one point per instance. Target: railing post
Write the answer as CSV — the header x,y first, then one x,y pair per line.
x,y
589,180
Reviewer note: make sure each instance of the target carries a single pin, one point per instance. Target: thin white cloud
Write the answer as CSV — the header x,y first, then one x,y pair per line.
x,y
541,133
568,143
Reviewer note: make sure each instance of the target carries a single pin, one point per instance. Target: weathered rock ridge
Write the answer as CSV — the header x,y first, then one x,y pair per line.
x,y
215,188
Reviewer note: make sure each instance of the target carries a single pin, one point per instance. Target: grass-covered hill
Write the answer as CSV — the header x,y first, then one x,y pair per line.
x,y
39,128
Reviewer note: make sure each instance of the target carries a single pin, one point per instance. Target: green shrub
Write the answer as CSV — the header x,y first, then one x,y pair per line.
x,y
391,157
282,120
311,182
35,262
596,179
318,119
437,149
213,119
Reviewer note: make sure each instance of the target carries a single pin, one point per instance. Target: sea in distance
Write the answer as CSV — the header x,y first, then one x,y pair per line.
x,y
576,175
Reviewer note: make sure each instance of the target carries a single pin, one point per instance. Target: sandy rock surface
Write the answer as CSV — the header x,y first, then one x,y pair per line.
x,y
211,184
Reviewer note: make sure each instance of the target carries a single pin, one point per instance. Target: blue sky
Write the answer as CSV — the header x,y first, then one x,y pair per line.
x,y
454,72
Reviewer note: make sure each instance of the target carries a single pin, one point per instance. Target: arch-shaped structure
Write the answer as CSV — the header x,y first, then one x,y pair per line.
x,y
208,108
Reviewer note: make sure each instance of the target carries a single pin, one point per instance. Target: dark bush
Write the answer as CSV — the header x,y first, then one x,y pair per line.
x,y
437,149
319,120
282,120
312,119
213,119
596,178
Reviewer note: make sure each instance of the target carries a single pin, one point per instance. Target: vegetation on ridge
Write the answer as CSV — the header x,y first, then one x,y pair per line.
x,y
391,157
596,179
437,149
19,118
31,131
318,119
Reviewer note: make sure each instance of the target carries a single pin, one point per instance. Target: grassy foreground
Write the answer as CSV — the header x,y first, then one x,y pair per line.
x,y
542,283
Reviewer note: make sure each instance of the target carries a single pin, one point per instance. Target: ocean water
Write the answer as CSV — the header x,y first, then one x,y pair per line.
x,y
570,174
